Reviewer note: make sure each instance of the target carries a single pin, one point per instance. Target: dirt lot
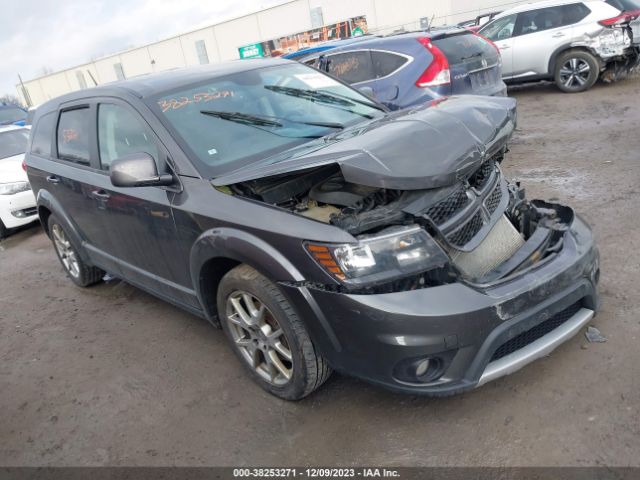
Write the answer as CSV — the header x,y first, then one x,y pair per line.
x,y
112,376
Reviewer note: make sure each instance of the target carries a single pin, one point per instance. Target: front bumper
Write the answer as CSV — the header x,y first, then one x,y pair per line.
x,y
462,326
19,209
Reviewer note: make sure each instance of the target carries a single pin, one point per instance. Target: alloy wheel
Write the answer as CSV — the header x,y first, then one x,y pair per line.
x,y
575,73
259,338
65,251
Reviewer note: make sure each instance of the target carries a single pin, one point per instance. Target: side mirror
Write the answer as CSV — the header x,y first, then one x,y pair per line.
x,y
368,91
137,170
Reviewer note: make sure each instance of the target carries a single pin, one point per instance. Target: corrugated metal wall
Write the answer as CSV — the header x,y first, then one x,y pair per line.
x,y
221,41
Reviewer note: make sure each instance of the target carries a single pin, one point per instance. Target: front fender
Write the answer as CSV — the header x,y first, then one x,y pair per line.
x,y
245,248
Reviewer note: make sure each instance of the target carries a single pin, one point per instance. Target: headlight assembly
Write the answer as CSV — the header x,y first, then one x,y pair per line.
x,y
395,253
14,187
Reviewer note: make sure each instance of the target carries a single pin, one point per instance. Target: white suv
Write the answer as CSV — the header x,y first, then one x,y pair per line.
x,y
567,41
17,203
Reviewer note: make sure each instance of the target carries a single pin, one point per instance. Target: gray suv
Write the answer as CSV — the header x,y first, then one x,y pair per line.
x,y
318,229
570,42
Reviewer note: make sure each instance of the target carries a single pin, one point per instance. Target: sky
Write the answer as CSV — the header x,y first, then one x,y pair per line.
x,y
39,35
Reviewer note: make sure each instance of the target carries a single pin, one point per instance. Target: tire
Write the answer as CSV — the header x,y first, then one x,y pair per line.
x,y
242,291
76,269
3,231
576,71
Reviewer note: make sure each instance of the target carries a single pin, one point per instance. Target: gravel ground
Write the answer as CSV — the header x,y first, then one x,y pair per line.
x,y
113,376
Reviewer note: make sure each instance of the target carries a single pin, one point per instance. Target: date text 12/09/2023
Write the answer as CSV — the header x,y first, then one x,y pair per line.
x,y
363,472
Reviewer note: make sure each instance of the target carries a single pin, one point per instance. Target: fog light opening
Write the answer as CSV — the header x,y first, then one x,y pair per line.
x,y
419,370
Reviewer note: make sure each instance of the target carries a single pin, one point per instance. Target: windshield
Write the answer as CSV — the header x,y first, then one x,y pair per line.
x,y
236,120
13,142
12,114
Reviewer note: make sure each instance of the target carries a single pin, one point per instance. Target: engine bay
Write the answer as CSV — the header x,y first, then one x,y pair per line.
x,y
486,226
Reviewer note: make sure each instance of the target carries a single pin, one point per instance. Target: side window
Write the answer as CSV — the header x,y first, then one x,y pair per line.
x,y
574,13
73,135
547,19
500,29
352,67
121,133
43,134
385,63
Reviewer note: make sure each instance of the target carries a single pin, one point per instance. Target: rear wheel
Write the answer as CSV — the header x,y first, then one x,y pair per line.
x,y
576,71
267,335
79,272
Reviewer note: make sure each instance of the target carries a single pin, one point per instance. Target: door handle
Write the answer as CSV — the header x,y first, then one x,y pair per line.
x,y
504,47
100,195
53,179
558,35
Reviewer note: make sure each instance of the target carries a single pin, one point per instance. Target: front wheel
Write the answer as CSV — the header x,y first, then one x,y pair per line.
x,y
576,71
267,335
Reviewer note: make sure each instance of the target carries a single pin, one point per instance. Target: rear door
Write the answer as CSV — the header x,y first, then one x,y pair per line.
x,y
474,63
541,32
500,32
73,177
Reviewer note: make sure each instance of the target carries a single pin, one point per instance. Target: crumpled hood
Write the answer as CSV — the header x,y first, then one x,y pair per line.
x,y
11,169
428,147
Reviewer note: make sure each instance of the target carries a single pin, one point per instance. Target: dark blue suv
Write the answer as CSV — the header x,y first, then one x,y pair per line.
x,y
413,68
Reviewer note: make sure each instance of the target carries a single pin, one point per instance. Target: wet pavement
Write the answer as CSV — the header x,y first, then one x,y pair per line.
x,y
112,376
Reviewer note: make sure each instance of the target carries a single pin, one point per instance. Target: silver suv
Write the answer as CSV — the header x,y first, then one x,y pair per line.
x,y
572,43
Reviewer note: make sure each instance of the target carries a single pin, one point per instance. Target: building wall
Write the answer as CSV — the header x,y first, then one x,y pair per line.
x,y
223,40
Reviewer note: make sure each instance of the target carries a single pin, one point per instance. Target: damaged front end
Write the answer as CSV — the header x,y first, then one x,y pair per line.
x,y
480,230
468,223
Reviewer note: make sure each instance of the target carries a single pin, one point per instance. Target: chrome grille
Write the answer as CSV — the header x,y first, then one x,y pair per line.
x,y
470,229
494,200
447,208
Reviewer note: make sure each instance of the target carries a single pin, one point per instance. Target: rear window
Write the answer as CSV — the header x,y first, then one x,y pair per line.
x,y
385,63
73,135
549,18
43,134
460,48
12,114
352,67
13,142
624,5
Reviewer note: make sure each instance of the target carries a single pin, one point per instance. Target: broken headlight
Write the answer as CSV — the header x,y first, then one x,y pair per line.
x,y
395,253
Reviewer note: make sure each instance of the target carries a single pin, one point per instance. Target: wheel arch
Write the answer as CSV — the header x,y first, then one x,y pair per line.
x,y
219,250
48,205
566,48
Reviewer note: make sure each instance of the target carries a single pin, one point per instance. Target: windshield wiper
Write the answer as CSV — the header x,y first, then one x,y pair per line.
x,y
324,97
243,118
263,121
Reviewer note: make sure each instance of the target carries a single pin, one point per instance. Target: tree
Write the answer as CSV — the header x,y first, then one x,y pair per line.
x,y
10,98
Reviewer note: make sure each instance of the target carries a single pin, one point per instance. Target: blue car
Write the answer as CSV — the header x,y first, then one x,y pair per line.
x,y
12,114
411,69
